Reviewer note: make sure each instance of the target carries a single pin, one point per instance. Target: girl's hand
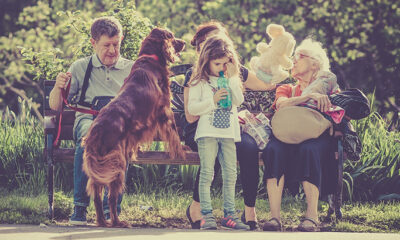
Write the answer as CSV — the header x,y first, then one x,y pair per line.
x,y
323,102
231,70
220,94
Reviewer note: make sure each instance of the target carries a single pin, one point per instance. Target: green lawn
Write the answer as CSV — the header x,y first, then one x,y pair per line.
x,y
168,210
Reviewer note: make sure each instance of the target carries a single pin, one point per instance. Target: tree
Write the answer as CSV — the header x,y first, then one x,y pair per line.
x,y
49,41
362,37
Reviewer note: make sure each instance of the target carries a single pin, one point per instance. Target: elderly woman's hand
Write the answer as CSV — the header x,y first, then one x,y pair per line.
x,y
323,102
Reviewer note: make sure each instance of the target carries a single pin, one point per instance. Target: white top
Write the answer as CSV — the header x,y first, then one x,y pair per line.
x,y
201,103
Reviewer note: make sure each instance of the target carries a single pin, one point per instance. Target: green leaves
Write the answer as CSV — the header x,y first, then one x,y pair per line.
x,y
377,174
50,39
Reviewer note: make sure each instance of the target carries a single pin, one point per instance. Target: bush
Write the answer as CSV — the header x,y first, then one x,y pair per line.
x,y
21,141
377,175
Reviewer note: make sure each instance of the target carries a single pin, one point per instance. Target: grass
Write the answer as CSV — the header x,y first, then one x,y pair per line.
x,y
168,211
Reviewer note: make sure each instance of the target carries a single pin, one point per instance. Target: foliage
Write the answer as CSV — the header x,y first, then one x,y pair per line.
x,y
361,37
63,206
20,209
167,209
381,217
51,39
377,175
21,144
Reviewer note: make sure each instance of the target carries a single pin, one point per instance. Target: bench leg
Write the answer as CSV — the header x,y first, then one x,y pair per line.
x,y
339,189
335,200
50,174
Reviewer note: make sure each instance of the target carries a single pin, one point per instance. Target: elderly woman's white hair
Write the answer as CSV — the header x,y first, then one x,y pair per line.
x,y
314,50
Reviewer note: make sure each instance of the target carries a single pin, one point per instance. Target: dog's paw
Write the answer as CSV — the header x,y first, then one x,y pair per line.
x,y
186,148
121,224
139,149
103,223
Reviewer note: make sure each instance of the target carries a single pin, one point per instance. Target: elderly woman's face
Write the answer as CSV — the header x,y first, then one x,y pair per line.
x,y
302,63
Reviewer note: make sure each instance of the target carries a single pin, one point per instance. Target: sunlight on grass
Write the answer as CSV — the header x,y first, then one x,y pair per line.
x,y
167,210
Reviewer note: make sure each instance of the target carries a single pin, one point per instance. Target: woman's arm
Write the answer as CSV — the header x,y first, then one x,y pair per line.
x,y
189,117
256,84
293,101
323,102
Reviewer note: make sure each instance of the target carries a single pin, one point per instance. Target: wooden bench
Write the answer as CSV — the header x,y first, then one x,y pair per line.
x,y
59,154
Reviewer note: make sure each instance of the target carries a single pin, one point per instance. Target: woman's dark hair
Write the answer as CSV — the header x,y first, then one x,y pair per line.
x,y
203,30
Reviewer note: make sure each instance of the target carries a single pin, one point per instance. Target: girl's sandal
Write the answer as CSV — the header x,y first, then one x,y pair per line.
x,y
273,225
308,228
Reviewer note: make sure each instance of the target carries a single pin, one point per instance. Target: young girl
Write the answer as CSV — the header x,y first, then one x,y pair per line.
x,y
214,136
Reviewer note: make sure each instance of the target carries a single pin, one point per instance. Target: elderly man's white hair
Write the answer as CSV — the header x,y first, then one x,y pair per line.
x,y
314,50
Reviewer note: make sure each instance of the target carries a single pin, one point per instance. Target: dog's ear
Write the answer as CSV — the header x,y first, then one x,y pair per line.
x,y
168,51
160,34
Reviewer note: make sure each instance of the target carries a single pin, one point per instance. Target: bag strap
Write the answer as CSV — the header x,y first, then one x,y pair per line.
x,y
86,85
293,90
64,95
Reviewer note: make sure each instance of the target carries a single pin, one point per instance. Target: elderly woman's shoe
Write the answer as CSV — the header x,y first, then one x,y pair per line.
x,y
311,227
273,225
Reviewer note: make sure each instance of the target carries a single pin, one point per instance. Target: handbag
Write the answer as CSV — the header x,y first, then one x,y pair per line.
x,y
99,102
257,127
295,124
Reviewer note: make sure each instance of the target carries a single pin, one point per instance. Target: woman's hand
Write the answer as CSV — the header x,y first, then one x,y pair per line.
x,y
323,102
220,94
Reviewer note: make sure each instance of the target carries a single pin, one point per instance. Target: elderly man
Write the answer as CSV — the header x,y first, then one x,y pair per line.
x,y
105,72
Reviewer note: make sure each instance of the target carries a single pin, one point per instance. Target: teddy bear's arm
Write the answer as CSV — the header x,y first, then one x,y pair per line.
x,y
262,47
285,62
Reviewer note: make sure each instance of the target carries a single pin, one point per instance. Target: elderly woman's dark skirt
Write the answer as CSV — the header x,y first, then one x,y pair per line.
x,y
312,160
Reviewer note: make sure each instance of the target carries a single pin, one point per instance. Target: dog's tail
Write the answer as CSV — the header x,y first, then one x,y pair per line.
x,y
102,170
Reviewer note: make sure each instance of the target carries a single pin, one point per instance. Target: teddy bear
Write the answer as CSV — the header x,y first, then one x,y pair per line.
x,y
274,57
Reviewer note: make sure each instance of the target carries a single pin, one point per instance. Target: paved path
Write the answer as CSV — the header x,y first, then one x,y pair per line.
x,y
32,232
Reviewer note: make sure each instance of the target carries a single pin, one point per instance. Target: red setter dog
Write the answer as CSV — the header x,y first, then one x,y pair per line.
x,y
139,111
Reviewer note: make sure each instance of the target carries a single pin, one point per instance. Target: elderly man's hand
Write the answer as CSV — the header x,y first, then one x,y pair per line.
x,y
62,79
323,102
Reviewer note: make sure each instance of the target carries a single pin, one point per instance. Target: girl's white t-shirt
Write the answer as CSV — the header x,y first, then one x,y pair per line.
x,y
201,103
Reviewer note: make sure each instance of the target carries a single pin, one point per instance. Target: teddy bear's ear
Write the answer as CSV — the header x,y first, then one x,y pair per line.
x,y
274,30
290,46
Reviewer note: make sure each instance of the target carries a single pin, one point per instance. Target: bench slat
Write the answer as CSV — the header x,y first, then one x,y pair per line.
x,y
148,157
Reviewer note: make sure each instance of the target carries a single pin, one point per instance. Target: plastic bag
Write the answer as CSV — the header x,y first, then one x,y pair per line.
x,y
258,127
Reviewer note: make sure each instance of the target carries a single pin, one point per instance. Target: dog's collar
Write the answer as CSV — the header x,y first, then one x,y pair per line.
x,y
152,56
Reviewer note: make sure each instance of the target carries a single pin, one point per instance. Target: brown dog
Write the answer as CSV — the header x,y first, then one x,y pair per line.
x,y
139,111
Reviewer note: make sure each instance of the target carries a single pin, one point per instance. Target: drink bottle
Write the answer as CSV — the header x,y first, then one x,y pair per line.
x,y
222,82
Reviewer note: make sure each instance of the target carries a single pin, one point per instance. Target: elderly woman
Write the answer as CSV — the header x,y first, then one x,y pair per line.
x,y
310,162
247,150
